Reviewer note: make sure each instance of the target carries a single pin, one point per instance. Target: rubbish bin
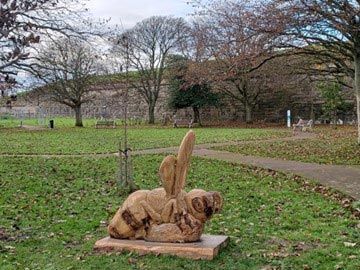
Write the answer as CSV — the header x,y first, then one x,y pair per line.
x,y
51,123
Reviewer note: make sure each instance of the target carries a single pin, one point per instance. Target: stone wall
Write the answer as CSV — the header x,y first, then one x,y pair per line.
x,y
109,102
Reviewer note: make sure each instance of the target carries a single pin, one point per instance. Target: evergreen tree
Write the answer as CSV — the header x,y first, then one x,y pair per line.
x,y
184,95
334,103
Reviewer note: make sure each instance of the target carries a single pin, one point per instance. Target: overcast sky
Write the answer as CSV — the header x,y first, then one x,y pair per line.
x,y
128,12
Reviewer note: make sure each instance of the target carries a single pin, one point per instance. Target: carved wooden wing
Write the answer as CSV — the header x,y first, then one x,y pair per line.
x,y
167,174
183,160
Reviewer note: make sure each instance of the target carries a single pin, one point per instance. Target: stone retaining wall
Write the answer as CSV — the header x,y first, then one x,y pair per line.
x,y
109,102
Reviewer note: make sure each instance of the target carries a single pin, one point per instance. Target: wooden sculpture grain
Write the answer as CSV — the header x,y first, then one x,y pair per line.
x,y
167,214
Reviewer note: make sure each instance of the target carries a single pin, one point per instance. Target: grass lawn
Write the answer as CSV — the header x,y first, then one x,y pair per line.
x,y
331,146
11,122
52,210
69,140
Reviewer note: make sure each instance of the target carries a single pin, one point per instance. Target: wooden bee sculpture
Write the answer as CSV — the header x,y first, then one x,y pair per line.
x,y
167,214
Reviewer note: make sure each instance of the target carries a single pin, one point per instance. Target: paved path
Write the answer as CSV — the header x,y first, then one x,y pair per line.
x,y
343,178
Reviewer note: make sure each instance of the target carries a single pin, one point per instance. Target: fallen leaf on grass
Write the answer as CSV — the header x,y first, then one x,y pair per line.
x,y
349,244
352,257
339,266
132,261
269,267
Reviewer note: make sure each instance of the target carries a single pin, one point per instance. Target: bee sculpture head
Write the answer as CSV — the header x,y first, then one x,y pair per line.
x,y
202,204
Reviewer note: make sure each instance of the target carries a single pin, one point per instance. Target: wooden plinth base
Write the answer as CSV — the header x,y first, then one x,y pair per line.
x,y
207,248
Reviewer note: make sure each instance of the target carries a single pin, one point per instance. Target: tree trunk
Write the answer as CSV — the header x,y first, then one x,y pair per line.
x,y
196,115
312,112
248,113
334,118
151,113
358,114
78,116
357,92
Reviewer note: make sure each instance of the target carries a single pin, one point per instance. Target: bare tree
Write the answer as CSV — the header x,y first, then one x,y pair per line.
x,y
326,29
24,23
236,49
146,46
67,67
6,83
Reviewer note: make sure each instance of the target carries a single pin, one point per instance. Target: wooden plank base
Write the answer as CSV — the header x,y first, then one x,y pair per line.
x,y
207,248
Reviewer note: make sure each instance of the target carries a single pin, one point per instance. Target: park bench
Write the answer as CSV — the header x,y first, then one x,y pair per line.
x,y
105,123
183,123
303,125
